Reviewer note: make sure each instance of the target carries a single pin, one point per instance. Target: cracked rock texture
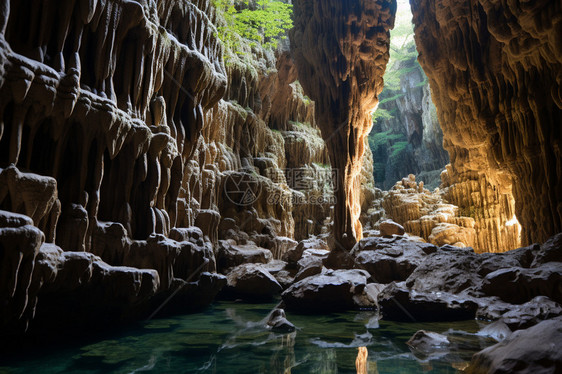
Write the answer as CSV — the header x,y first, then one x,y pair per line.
x,y
341,52
495,71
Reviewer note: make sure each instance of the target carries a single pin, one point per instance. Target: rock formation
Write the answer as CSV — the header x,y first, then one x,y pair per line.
x,y
341,51
129,144
495,75
482,223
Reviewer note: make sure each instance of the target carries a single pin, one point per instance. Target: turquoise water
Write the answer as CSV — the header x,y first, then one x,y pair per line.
x,y
231,337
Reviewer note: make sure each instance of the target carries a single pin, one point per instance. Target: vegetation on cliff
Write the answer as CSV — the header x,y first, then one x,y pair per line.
x,y
259,22
406,138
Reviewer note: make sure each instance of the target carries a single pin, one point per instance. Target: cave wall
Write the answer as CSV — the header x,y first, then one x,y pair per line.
x,y
341,52
495,71
122,130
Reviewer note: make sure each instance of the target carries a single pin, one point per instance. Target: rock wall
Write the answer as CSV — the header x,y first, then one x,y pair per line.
x,y
495,71
131,155
341,52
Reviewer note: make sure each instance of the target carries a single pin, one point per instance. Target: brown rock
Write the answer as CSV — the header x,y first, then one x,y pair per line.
x,y
389,228
343,75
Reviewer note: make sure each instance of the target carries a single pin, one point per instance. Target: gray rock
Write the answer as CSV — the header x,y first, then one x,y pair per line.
x,y
392,259
397,303
519,316
230,254
278,322
534,350
427,342
517,285
252,281
330,291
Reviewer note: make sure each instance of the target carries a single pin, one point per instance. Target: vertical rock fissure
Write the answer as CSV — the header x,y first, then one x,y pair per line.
x,y
341,52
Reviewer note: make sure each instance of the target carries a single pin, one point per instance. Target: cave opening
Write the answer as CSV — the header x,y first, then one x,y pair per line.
x,y
406,137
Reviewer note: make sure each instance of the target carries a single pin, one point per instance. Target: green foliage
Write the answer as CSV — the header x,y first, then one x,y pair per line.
x,y
263,22
382,114
397,149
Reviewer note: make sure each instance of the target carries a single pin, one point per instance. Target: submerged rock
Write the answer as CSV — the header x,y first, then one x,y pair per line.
x,y
426,342
278,322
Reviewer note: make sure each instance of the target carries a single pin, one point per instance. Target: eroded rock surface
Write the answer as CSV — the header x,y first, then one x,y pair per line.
x,y
341,52
495,73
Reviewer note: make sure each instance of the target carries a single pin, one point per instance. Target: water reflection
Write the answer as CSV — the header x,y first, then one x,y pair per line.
x,y
234,338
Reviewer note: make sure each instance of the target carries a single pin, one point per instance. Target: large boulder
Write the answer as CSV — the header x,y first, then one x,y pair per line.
x,y
252,281
534,350
330,291
230,255
517,285
390,259
519,316
397,303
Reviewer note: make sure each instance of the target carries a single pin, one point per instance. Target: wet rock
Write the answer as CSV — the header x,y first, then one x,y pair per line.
x,y
230,255
330,291
392,259
427,342
309,269
292,256
534,350
389,228
252,281
397,303
278,322
518,285
520,316
497,330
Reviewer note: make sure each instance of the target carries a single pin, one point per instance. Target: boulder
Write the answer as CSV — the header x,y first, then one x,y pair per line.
x,y
230,255
252,281
389,228
278,322
534,350
550,251
392,259
427,342
330,291
397,303
517,285
519,316
294,254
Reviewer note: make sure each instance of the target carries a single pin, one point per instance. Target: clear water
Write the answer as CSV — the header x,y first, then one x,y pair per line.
x,y
231,337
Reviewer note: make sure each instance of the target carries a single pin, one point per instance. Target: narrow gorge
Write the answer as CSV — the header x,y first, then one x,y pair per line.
x,y
181,167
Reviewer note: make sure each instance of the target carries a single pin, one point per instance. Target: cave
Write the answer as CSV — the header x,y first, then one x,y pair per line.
x,y
239,186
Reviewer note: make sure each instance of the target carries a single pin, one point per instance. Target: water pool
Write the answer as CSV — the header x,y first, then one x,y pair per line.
x,y
231,337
